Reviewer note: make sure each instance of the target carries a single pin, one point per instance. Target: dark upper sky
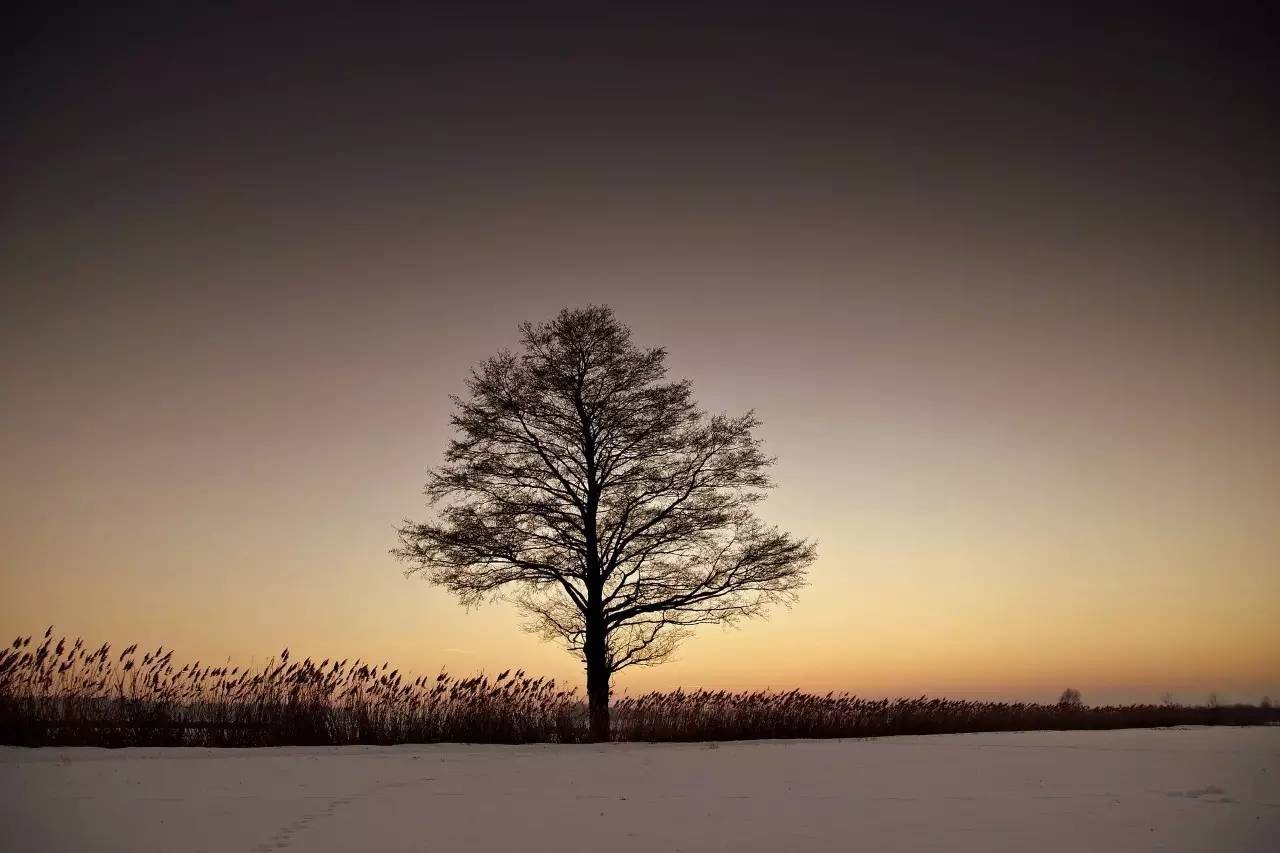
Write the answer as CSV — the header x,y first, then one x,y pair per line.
x,y
250,128
1026,256
980,101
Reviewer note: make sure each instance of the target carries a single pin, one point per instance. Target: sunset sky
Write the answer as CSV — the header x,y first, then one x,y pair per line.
x,y
1005,292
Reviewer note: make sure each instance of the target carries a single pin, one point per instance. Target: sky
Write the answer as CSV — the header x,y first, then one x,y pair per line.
x,y
1004,289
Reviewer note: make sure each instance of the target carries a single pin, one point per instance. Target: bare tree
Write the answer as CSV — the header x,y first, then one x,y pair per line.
x,y
1071,698
602,500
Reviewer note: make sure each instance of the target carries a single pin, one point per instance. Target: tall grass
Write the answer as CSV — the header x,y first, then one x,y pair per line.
x,y
55,692
702,716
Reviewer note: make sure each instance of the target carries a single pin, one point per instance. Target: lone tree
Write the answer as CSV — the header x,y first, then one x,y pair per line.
x,y
602,500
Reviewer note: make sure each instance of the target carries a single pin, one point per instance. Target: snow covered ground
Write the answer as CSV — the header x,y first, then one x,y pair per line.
x,y
1184,789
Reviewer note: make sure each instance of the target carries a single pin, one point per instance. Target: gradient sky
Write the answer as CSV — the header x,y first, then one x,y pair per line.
x,y
1005,291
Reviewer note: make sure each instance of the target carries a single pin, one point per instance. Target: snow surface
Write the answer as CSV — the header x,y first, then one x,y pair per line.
x,y
1172,789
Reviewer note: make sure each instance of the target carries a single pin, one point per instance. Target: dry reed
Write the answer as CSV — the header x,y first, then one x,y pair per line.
x,y
55,692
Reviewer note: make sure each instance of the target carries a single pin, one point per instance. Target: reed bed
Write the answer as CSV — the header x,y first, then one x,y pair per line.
x,y
709,716
55,692
60,692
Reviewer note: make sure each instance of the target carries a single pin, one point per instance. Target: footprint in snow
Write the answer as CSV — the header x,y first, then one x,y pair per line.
x,y
1212,793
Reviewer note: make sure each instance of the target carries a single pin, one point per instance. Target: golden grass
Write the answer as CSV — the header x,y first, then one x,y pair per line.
x,y
64,693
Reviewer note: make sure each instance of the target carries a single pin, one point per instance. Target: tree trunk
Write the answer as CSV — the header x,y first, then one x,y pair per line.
x,y
597,682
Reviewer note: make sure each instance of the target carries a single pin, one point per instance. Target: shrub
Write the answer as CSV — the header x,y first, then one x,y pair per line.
x,y
1070,698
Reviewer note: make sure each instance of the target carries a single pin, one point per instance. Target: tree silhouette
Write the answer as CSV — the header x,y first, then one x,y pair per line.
x,y
602,500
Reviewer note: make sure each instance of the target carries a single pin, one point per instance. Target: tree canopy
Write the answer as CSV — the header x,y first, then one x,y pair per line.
x,y
596,494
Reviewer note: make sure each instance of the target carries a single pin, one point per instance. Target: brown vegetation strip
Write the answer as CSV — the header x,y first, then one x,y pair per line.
x,y
55,692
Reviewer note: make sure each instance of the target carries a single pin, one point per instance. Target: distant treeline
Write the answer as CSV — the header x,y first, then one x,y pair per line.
x,y
55,692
